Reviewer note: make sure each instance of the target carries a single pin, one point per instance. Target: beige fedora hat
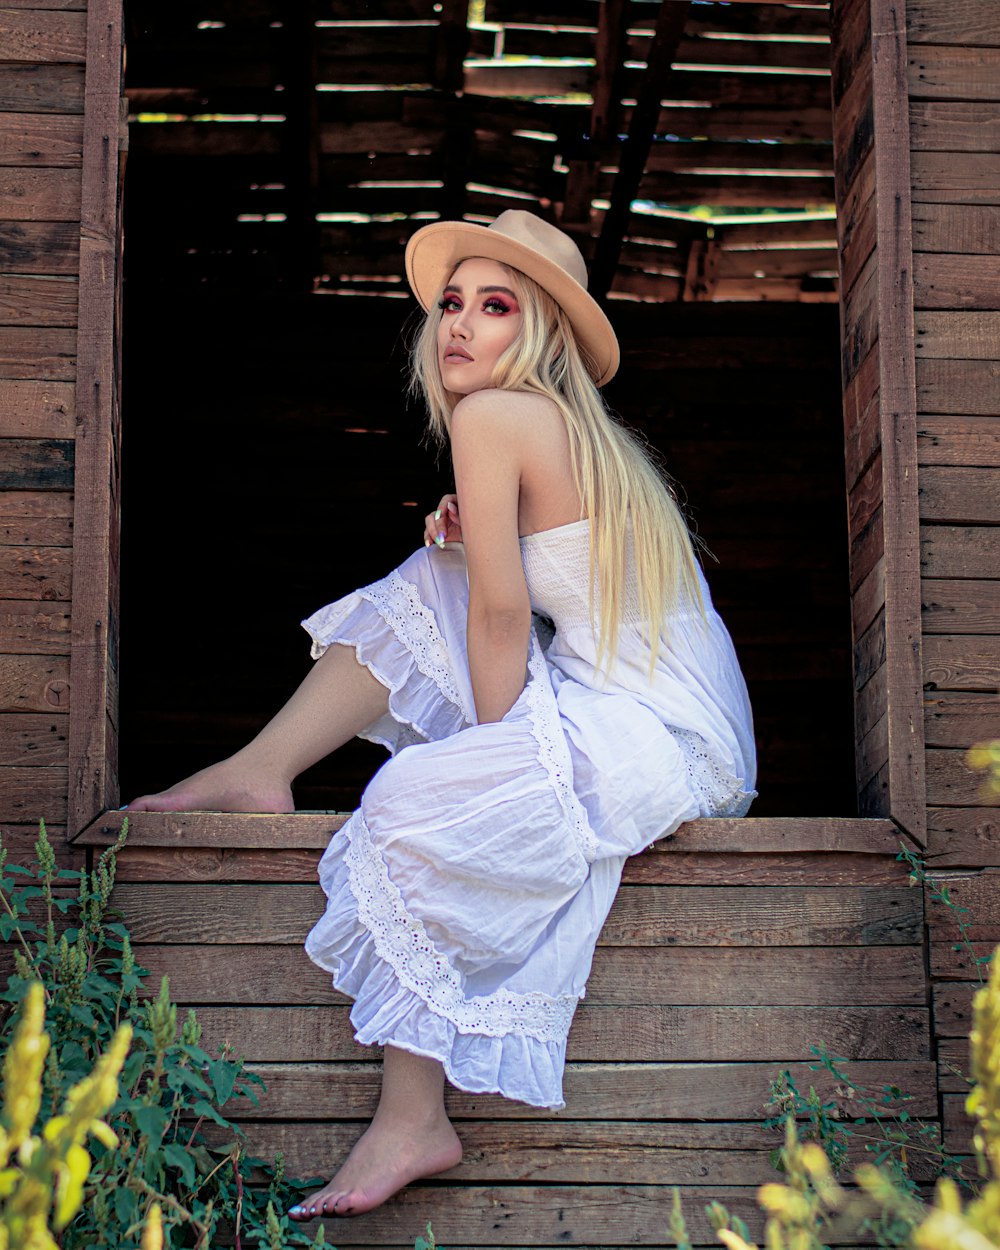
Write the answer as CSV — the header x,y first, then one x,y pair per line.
x,y
531,245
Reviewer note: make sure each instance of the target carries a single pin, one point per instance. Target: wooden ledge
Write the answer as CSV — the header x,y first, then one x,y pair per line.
x,y
312,831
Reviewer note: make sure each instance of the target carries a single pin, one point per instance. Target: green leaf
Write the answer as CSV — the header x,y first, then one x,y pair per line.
x,y
222,1073
151,1123
179,1158
126,1206
201,1107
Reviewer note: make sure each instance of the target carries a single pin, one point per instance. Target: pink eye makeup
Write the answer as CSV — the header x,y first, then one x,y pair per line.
x,y
493,303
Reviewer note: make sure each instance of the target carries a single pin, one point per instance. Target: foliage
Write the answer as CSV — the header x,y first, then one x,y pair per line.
x,y
877,1122
940,896
152,1154
811,1209
46,1173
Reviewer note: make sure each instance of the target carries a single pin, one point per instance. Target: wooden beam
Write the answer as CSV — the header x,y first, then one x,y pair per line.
x,y
92,780
670,23
898,412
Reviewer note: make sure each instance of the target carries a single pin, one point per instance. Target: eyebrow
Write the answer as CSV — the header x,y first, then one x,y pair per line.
x,y
482,290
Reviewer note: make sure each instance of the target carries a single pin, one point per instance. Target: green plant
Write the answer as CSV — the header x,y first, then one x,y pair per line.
x,y
157,1154
877,1122
939,895
811,1209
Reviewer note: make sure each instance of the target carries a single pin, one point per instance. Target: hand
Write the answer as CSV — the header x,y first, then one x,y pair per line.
x,y
443,526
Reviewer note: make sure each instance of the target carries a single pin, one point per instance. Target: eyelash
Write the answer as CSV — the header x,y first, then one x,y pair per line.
x,y
493,299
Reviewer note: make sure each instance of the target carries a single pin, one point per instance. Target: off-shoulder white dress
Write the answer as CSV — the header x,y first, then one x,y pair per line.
x,y
467,893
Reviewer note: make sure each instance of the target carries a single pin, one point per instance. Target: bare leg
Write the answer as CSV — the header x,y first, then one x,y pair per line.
x,y
410,1136
338,698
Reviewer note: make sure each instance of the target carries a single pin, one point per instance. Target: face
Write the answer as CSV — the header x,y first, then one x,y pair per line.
x,y
480,318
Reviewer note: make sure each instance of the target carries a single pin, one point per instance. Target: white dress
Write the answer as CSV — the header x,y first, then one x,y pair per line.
x,y
467,893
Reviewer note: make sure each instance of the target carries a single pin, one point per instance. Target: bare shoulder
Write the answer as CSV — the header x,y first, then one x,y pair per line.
x,y
505,413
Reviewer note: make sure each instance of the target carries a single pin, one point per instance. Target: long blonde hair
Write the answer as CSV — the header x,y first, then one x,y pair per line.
x,y
618,480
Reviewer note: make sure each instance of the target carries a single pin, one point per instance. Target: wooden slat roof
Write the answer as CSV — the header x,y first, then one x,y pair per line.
x,y
303,148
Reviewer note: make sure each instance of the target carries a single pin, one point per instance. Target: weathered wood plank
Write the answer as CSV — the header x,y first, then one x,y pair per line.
x,y
738,977
36,573
957,1126
956,228
856,223
958,335
644,915
955,177
868,600
41,88
950,781
36,741
93,726
953,1008
36,531
39,194
34,683
658,1091
953,126
967,837
36,410
568,1152
29,465
943,281
40,139
952,551
139,863
967,22
27,300
313,830
32,794
962,607
869,651
897,391
41,35
17,505
953,73
960,961
953,1064
26,352
962,662
959,720
966,387
39,246
19,843
979,892
644,1034
860,317
959,495
34,628
862,428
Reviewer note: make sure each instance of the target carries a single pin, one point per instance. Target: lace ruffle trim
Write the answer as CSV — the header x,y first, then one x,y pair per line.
x,y
721,792
553,752
399,604
402,941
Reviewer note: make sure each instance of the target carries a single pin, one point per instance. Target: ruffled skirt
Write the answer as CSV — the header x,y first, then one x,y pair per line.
x,y
467,893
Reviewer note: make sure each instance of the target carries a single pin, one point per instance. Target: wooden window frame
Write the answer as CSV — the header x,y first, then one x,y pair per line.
x,y
871,118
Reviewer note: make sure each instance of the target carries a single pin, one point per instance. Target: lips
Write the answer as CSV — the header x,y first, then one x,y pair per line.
x,y
457,353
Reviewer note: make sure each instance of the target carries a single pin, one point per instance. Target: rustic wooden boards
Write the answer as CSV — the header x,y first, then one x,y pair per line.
x,y
41,155
700,993
384,138
872,167
711,975
956,212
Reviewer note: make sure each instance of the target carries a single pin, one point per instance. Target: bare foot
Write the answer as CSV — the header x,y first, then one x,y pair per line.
x,y
228,786
384,1160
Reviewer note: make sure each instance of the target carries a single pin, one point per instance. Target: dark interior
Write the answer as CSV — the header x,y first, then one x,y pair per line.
x,y
277,163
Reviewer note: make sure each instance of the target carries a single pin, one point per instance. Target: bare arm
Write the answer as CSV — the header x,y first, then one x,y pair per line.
x,y
486,450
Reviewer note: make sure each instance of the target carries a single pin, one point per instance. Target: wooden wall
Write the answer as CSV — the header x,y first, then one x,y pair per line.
x,y
954,88
729,952
872,171
41,158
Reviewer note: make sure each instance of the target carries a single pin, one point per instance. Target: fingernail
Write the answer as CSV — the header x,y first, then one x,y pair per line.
x,y
427,542
440,540
437,515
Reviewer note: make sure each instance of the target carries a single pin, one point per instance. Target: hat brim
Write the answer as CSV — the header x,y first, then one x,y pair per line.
x,y
433,252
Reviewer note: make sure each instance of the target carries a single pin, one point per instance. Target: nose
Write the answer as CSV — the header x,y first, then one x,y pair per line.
x,y
459,325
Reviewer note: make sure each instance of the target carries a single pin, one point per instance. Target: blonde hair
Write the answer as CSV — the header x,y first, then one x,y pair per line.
x,y
619,481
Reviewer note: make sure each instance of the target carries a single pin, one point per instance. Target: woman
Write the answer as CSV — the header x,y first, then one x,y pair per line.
x,y
466,894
